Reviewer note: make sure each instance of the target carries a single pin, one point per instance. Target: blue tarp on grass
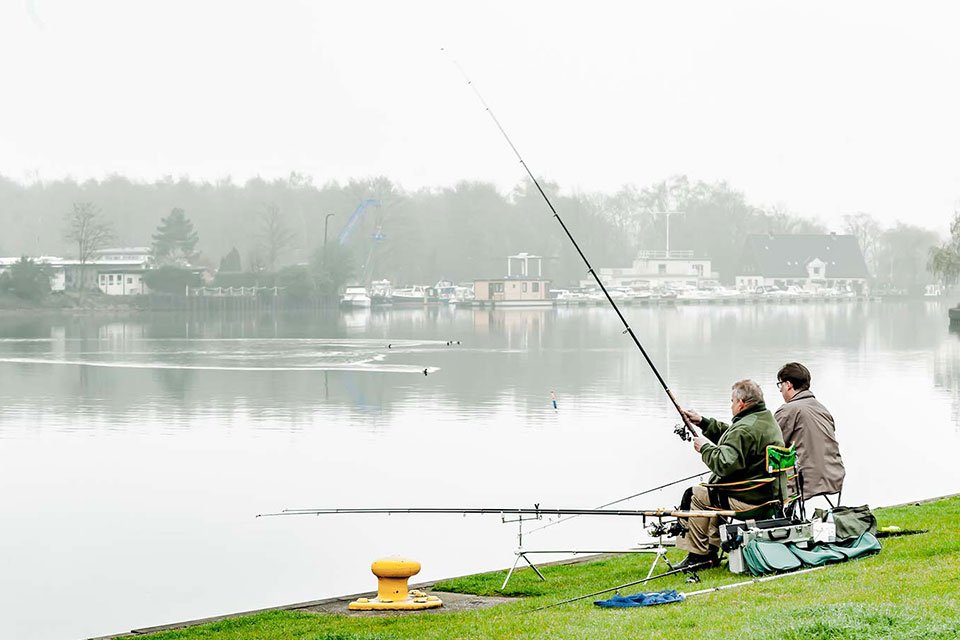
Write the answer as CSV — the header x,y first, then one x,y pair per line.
x,y
646,599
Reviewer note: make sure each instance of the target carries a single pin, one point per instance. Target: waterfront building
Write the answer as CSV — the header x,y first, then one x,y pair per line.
x,y
671,269
810,261
519,287
115,272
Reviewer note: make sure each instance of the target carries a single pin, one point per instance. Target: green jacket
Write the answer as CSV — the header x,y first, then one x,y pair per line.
x,y
739,450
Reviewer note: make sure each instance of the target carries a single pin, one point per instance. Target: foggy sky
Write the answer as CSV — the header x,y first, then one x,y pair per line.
x,y
823,109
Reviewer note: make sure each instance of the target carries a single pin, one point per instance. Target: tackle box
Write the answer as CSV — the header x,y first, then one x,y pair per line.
x,y
735,536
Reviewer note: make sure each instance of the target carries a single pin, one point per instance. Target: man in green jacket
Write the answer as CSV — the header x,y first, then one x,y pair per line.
x,y
733,452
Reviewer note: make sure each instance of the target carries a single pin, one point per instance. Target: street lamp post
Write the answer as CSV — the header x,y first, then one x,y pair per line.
x,y
326,219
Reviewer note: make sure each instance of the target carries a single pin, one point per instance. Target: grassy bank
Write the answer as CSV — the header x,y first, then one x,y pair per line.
x,y
910,590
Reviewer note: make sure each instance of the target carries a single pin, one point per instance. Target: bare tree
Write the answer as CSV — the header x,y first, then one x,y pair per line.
x,y
275,236
867,231
89,231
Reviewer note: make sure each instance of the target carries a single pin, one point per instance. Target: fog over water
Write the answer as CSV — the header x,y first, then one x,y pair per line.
x,y
135,453
827,108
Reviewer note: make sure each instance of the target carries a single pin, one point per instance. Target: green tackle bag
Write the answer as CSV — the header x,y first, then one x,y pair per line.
x,y
763,557
865,544
850,522
817,556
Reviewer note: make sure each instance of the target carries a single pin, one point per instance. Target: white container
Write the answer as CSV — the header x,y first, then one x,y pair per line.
x,y
824,532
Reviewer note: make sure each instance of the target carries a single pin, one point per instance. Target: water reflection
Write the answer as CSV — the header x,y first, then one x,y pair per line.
x,y
263,362
946,373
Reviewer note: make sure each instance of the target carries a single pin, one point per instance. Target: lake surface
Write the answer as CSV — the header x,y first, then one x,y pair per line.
x,y
135,453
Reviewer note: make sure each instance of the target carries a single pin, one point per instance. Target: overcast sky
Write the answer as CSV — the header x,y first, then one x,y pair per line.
x,y
824,108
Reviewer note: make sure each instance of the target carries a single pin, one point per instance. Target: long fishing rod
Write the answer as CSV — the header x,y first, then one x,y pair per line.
x,y
618,501
509,511
734,585
590,269
685,595
693,567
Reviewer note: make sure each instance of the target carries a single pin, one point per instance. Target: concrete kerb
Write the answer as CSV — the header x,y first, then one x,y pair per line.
x,y
326,604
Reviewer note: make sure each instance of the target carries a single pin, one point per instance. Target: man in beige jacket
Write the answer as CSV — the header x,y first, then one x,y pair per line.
x,y
807,424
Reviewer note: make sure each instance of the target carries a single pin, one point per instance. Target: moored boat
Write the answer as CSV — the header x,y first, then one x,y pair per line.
x,y
355,297
415,294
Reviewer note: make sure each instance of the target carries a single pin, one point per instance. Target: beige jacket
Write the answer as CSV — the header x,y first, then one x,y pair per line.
x,y
807,423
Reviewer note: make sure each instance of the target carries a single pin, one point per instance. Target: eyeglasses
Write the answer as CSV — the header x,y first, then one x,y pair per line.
x,y
780,383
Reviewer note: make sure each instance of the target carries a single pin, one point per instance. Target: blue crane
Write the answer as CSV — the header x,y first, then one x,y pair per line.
x,y
354,219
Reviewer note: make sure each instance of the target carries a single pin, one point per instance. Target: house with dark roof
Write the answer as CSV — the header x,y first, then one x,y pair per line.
x,y
811,261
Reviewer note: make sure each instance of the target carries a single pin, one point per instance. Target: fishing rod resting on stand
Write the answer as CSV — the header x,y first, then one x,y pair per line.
x,y
686,430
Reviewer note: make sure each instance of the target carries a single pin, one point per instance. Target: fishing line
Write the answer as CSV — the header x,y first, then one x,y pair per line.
x,y
618,501
672,572
590,270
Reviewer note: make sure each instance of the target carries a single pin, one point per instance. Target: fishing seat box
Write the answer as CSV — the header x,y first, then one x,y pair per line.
x,y
735,536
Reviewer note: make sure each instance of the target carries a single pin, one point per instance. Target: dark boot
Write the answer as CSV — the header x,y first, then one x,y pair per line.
x,y
700,560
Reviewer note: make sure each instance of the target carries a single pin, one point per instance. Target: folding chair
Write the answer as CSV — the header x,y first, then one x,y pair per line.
x,y
780,461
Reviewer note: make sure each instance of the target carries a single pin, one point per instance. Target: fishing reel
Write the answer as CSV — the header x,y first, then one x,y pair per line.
x,y
660,529
681,430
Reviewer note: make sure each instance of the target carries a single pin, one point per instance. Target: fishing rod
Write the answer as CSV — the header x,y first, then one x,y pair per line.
x,y
672,572
687,425
734,585
509,511
618,501
684,595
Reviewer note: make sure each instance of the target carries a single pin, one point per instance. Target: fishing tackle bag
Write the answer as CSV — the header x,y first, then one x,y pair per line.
x,y
849,522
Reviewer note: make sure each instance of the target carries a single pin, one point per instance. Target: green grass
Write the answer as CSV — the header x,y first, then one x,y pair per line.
x,y
910,590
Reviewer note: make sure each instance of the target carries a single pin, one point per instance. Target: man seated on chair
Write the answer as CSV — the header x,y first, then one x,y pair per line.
x,y
807,424
734,452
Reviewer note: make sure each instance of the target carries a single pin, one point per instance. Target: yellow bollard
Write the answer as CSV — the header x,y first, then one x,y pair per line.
x,y
392,590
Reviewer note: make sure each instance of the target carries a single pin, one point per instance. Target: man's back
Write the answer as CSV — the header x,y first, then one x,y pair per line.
x,y
740,450
808,424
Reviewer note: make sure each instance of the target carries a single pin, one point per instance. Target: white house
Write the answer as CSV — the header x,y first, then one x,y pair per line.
x,y
811,261
657,268
116,272
120,270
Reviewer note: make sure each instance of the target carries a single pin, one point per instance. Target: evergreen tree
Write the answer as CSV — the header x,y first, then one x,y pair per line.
x,y
230,263
175,241
26,279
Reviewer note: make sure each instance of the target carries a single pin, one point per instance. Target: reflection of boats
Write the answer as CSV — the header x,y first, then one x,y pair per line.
x,y
355,297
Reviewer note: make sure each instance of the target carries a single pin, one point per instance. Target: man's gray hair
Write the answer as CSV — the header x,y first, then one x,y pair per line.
x,y
748,391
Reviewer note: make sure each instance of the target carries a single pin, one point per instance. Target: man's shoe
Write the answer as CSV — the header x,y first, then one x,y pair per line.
x,y
714,555
700,561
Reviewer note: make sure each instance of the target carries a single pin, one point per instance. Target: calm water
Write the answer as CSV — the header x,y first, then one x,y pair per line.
x,y
135,453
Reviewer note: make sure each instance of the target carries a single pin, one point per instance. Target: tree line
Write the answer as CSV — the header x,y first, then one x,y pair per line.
x,y
279,231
